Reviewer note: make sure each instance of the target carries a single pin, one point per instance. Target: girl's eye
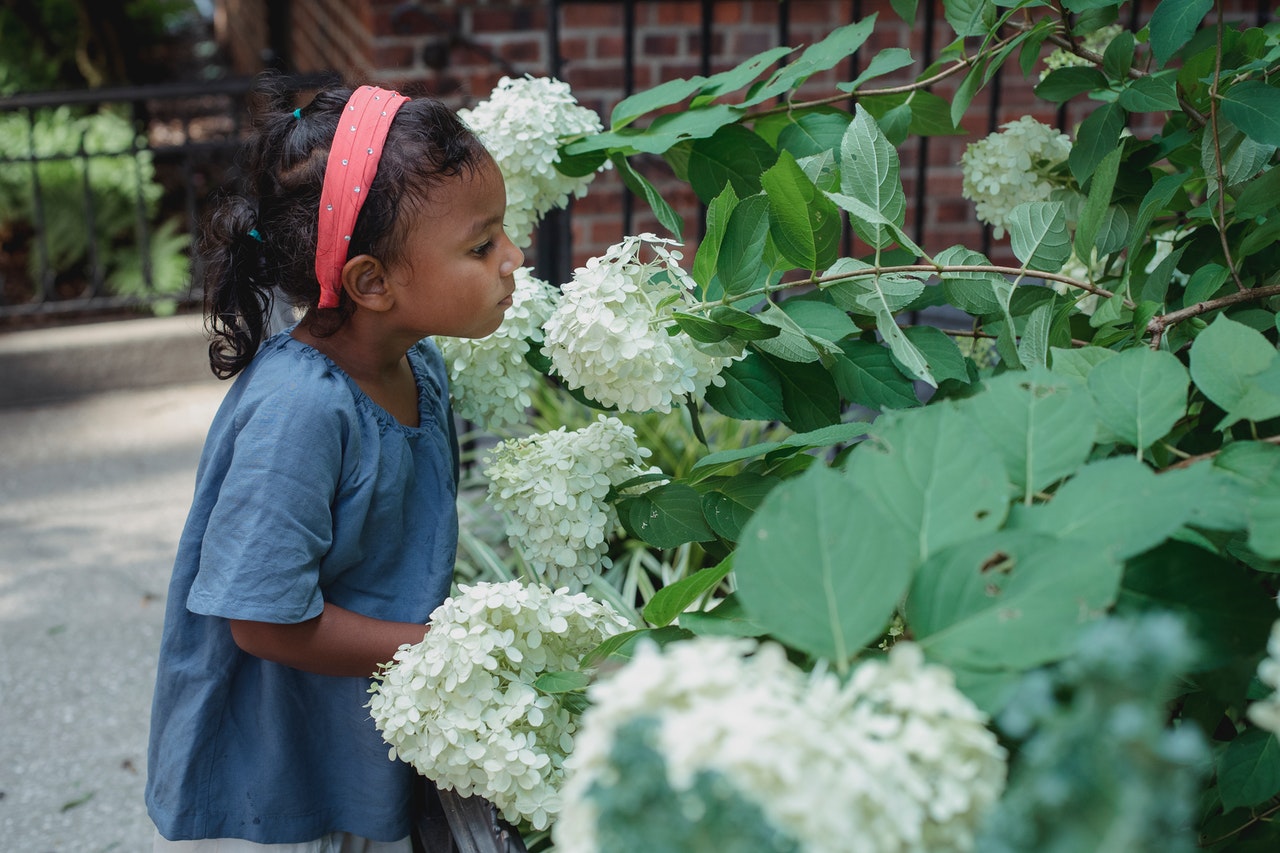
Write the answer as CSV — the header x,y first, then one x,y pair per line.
x,y
483,249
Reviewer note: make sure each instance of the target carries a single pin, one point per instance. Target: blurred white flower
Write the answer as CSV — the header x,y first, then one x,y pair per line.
x,y
522,125
1010,167
551,488
896,759
460,706
1265,713
1095,41
608,336
489,379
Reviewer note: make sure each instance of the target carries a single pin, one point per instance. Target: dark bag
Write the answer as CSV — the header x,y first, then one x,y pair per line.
x,y
449,823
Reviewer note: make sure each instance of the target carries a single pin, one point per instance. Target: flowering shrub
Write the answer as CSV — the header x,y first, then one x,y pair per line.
x,y
489,379
552,488
1265,713
894,760
462,708
522,124
1011,167
609,335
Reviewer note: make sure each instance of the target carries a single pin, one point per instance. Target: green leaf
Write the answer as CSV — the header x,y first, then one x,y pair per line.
x,y
666,516
869,172
752,391
978,293
743,73
1257,465
886,61
1038,235
1254,107
1117,58
1260,196
665,94
936,473
726,619
814,133
804,223
672,600
940,352
819,319
793,572
1216,599
746,327
1033,346
1153,93
1078,363
733,155
742,247
1063,84
622,646
666,131
809,395
1118,504
1249,769
1012,599
820,56
970,18
1238,369
1172,25
1140,394
640,185
561,682
1039,423
1204,283
1098,136
1095,206
732,502
868,376
704,262
871,294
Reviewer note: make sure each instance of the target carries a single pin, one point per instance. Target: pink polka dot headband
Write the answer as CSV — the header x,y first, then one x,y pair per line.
x,y
353,161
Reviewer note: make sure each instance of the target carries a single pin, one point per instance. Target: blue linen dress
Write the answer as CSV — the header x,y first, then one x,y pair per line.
x,y
307,492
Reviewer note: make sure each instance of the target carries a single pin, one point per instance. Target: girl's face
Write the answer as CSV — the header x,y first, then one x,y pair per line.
x,y
458,271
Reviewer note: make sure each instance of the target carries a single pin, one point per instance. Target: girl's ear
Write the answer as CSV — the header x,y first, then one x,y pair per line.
x,y
365,281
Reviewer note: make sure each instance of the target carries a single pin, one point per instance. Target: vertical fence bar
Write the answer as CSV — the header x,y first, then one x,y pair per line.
x,y
45,281
96,277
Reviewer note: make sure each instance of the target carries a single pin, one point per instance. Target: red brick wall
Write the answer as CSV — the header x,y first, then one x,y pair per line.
x,y
458,50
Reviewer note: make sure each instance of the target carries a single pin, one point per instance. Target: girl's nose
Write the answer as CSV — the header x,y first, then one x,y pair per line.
x,y
514,259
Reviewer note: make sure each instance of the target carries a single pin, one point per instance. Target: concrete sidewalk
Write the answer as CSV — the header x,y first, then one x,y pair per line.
x,y
100,432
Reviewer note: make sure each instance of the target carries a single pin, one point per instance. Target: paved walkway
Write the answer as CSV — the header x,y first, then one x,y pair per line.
x,y
93,492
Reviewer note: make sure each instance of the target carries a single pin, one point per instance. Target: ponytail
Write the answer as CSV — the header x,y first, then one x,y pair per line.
x,y
237,298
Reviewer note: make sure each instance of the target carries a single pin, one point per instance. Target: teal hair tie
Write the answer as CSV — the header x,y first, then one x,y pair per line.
x,y
255,235
298,113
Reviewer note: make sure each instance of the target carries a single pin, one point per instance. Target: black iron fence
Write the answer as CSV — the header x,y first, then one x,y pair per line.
x,y
101,191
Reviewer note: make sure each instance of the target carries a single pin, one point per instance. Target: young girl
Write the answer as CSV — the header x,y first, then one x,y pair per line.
x,y
323,529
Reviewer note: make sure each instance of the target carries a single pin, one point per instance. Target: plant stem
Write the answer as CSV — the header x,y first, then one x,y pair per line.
x,y
1220,208
1191,460
1159,324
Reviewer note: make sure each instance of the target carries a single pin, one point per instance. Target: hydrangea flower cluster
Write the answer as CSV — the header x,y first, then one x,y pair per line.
x,y
894,759
551,488
489,379
460,706
1265,713
1095,41
608,336
522,124
1010,167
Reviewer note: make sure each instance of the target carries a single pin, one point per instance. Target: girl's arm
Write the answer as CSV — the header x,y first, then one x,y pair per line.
x,y
337,642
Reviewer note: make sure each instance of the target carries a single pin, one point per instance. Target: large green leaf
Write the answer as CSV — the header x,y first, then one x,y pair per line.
x,y
666,516
732,502
1172,25
1150,94
1098,136
1092,214
809,396
885,62
640,185
1257,465
869,172
1041,424
666,131
1009,600
872,294
1038,235
1119,505
733,155
940,352
1249,769
935,472
742,246
717,223
1238,369
804,223
796,571
752,391
820,56
1254,107
672,600
979,293
868,376
1140,394
1227,612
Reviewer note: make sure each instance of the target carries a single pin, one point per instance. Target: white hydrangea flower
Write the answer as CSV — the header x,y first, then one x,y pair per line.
x,y
551,488
1265,713
608,336
489,379
1095,41
522,125
1010,167
460,706
896,759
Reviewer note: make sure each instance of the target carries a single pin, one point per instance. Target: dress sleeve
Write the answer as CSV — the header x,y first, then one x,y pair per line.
x,y
271,524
